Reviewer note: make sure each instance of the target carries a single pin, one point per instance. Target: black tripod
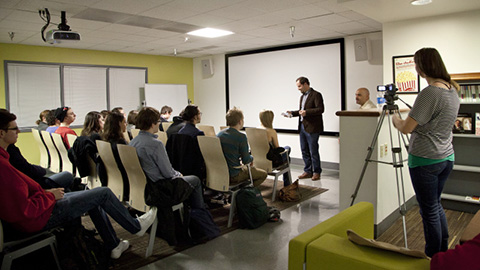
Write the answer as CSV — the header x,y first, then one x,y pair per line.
x,y
397,161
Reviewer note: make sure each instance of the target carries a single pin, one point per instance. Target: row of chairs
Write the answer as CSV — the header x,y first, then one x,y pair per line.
x,y
53,153
218,177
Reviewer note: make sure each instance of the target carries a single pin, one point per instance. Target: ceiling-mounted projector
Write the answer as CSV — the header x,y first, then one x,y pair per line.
x,y
60,36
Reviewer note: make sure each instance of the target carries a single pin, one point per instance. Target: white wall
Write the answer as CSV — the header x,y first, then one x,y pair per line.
x,y
455,36
210,93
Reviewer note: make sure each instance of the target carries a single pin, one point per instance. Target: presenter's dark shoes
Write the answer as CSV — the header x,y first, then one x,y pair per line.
x,y
305,175
315,177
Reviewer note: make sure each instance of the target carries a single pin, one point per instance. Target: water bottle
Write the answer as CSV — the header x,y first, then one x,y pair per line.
x,y
380,99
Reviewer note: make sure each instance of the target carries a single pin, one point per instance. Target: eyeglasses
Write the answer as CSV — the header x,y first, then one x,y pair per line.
x,y
13,128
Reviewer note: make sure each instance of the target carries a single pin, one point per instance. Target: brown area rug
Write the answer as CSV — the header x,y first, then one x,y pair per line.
x,y
134,257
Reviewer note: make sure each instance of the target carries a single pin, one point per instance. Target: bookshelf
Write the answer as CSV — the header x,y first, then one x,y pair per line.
x,y
463,183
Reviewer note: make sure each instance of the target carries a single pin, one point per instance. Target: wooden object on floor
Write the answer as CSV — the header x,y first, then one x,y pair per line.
x,y
472,229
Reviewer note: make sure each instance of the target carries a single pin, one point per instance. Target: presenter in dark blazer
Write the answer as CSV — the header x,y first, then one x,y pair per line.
x,y
310,125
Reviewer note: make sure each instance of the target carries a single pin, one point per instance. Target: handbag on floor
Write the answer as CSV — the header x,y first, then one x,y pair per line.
x,y
290,193
251,208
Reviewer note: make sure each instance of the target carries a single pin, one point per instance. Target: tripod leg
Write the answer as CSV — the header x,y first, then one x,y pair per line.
x,y
398,165
369,155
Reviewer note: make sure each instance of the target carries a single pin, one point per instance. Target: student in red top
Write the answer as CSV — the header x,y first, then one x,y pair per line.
x,y
66,116
27,207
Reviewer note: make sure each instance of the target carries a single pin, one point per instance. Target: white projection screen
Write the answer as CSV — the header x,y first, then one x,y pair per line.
x,y
265,79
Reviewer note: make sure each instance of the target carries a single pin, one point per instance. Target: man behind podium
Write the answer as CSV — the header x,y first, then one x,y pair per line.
x,y
362,97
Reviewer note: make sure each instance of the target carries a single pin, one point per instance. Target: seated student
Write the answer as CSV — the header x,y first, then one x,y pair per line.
x,y
66,116
113,131
235,148
153,156
42,121
52,121
119,110
27,207
165,114
178,123
44,177
93,125
132,115
266,118
158,169
192,116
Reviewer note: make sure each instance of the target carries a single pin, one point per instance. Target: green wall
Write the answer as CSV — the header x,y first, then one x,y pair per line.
x,y
161,69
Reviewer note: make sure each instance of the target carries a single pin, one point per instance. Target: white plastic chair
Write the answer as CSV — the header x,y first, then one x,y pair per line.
x,y
137,182
62,150
115,180
218,177
44,156
55,161
259,146
208,130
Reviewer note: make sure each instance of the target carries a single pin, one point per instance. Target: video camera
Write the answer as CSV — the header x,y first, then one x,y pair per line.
x,y
390,93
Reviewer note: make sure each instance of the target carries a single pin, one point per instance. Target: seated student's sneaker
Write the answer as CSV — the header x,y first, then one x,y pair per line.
x,y
146,220
117,252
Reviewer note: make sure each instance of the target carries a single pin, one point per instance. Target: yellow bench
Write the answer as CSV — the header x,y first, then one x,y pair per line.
x,y
326,245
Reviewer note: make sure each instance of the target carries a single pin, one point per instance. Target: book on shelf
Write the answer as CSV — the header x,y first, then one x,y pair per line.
x,y
477,123
469,93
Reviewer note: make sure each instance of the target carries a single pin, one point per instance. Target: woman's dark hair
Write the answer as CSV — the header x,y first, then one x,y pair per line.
x,y
112,130
51,119
131,118
146,117
5,118
190,112
91,124
430,63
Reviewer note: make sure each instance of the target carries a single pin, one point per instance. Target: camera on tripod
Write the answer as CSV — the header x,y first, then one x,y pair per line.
x,y
390,93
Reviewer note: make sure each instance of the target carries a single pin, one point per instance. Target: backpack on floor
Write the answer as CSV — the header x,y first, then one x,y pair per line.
x,y
80,249
202,227
251,208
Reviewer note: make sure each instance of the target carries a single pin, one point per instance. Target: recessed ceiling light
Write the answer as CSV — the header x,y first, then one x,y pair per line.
x,y
420,2
210,33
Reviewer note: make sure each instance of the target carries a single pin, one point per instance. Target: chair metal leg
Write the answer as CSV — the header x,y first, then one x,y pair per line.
x,y
274,193
232,210
53,246
151,241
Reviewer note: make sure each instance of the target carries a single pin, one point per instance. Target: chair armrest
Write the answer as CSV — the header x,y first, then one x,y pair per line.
x,y
358,217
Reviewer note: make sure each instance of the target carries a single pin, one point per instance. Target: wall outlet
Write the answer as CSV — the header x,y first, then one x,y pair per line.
x,y
385,146
382,150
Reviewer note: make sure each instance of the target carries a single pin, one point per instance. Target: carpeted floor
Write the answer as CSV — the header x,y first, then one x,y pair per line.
x,y
135,256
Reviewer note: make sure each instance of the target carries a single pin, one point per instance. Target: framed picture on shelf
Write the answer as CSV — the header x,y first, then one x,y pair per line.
x,y
405,76
463,123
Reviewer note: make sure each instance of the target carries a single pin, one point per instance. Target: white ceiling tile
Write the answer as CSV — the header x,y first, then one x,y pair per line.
x,y
237,12
206,20
302,12
4,12
129,6
86,24
327,20
333,6
124,29
352,15
156,33
274,5
169,13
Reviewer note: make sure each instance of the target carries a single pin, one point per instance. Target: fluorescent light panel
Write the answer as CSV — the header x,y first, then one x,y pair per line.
x,y
210,33
420,2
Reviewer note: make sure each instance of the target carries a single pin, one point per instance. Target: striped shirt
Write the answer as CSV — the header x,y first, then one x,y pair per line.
x,y
435,111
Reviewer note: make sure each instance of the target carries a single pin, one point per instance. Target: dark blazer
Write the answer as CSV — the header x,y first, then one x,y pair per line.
x,y
313,121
